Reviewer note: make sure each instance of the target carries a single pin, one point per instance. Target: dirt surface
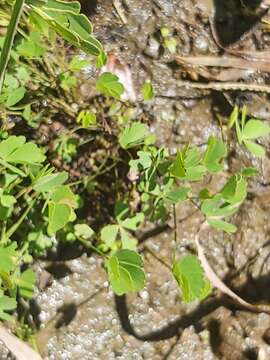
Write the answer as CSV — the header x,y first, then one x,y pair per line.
x,y
79,315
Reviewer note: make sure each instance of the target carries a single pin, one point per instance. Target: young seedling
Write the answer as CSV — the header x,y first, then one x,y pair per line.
x,y
248,131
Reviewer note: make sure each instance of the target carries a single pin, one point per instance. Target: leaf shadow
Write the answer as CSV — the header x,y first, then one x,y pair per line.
x,y
257,290
59,270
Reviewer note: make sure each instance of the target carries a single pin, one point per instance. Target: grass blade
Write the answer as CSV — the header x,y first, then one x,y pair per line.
x,y
9,39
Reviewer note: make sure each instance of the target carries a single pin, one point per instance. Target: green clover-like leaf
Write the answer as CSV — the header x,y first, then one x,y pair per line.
x,y
216,151
191,279
26,283
125,270
108,84
16,151
6,304
148,91
133,135
83,231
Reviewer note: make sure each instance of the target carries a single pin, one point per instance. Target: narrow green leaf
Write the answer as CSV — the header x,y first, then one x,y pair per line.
x,y
239,132
39,23
9,39
233,117
243,117
65,19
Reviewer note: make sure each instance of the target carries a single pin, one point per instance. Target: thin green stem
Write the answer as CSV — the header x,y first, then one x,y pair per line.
x,y
175,233
85,141
60,104
22,251
14,227
101,170
9,39
12,168
74,183
163,262
108,168
3,232
25,190
88,245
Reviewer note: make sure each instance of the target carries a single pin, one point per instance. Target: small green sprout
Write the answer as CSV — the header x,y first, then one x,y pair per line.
x,y
248,131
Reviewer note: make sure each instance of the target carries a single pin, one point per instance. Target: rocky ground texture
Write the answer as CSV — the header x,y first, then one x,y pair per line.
x,y
79,315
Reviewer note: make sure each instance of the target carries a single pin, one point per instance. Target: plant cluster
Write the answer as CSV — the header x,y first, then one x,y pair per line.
x,y
37,202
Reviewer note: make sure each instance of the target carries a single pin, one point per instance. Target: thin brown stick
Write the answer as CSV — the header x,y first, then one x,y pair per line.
x,y
218,283
18,348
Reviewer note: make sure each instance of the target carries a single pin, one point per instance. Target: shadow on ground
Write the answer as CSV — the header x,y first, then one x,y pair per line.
x,y
234,18
257,287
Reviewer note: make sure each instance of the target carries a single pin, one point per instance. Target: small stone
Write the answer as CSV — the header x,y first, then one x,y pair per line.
x,y
201,44
144,295
152,48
